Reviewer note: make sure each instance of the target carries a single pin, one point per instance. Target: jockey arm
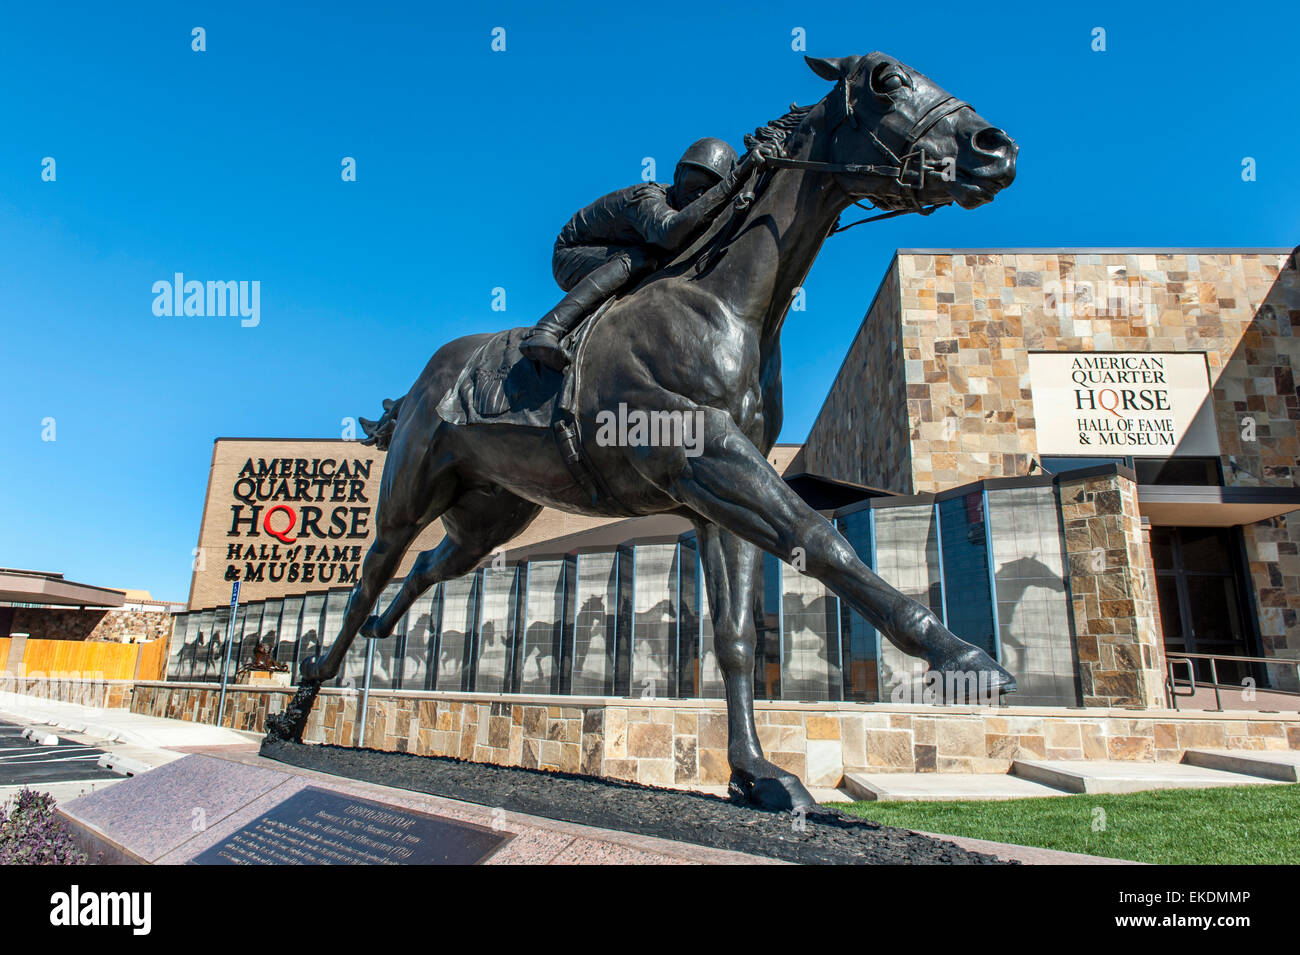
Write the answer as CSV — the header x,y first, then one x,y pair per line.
x,y
670,229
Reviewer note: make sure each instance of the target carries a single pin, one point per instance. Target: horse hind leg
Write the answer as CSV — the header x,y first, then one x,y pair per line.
x,y
478,523
404,509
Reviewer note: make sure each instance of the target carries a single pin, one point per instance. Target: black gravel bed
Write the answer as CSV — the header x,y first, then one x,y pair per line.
x,y
827,836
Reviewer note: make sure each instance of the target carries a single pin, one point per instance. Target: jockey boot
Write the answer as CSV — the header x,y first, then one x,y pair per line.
x,y
542,344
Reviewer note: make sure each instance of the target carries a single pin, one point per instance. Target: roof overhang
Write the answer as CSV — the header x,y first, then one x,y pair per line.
x,y
38,587
1186,506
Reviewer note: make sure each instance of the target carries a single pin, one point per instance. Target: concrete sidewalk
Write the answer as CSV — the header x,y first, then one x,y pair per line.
x,y
132,743
118,726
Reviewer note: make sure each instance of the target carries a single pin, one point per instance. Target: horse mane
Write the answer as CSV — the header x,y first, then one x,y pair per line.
x,y
779,130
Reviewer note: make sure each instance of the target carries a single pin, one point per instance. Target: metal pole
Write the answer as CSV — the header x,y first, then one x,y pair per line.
x,y
230,639
1214,675
365,692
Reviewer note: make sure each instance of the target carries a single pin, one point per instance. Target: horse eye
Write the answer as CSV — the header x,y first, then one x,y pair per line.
x,y
887,79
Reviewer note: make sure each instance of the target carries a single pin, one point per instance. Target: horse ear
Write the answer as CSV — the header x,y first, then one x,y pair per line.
x,y
832,68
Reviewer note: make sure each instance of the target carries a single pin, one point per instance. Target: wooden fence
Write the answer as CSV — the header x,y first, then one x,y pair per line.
x,y
107,661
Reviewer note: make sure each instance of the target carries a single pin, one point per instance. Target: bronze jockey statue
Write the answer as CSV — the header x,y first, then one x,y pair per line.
x,y
618,240
621,238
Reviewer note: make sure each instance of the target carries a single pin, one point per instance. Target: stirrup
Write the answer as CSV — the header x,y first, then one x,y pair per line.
x,y
543,347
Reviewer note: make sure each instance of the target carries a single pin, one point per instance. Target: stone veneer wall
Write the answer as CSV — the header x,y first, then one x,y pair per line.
x,y
968,320
1273,552
58,623
104,694
676,742
1121,658
866,411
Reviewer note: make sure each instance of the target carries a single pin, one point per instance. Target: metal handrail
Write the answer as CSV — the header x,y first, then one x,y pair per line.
x,y
1171,683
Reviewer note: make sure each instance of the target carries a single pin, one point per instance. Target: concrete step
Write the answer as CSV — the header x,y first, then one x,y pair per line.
x,y
1284,766
942,787
1125,776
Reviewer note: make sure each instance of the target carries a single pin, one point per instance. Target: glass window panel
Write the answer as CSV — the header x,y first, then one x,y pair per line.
x,y
595,625
859,639
1033,600
767,626
181,624
1205,550
203,643
1171,617
701,675
336,604
496,628
1179,471
1059,465
539,651
217,645
688,626
249,633
387,656
907,558
966,570
353,671
455,639
810,640
309,640
420,643
712,684
1212,606
654,625
623,646
286,650
271,624
1162,548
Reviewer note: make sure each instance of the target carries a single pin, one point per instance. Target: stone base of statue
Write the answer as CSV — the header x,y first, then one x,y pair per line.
x,y
698,821
263,678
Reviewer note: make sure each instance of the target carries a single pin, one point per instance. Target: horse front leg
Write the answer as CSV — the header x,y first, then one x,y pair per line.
x,y
731,484
731,577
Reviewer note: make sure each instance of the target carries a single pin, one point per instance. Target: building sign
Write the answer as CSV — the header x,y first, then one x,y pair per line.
x,y
298,519
285,517
1113,404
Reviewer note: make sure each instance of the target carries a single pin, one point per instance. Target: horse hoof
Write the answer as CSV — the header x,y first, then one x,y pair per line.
x,y
370,629
774,789
977,673
309,670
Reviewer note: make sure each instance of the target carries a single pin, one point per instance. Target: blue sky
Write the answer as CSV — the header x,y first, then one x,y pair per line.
x,y
225,164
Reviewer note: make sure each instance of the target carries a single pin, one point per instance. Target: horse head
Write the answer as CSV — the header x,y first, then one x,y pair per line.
x,y
900,140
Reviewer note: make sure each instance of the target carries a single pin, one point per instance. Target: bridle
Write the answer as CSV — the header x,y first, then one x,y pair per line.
x,y
907,171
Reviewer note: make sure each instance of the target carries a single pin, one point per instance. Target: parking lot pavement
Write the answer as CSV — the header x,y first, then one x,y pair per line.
x,y
65,770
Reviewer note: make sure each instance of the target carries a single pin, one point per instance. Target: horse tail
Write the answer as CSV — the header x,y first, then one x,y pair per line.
x,y
379,433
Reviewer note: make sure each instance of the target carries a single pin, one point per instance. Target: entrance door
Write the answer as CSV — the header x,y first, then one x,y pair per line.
x,y
1198,583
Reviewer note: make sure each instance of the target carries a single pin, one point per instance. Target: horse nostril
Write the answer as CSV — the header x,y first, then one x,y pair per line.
x,y
993,141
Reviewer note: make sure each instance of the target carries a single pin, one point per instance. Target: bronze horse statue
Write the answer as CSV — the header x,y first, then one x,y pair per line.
x,y
701,337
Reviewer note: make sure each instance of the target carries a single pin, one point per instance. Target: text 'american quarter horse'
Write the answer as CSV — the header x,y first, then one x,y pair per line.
x,y
487,436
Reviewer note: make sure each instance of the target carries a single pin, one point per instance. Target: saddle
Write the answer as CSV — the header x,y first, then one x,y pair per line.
x,y
500,386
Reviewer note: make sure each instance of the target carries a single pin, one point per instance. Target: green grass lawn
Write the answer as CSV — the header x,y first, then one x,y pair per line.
x,y
1237,825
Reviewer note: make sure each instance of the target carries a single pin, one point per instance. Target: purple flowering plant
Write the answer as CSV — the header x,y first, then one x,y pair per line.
x,y
30,833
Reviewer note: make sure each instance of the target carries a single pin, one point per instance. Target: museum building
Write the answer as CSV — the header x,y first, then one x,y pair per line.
x,y
1085,461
